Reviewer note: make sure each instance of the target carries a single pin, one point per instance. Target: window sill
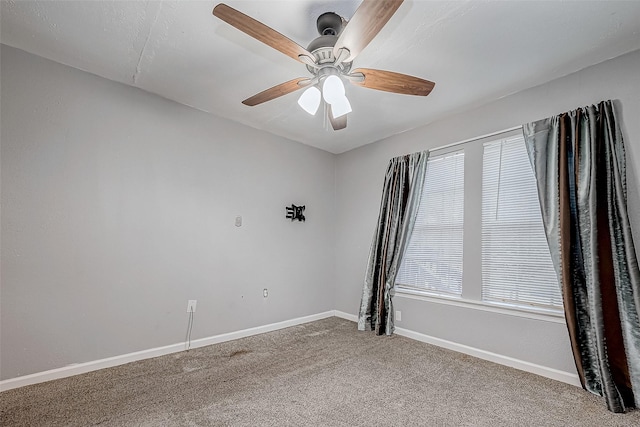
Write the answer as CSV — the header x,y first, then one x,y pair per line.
x,y
529,313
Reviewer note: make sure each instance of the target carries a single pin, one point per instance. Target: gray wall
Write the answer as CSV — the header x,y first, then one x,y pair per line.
x,y
359,178
118,206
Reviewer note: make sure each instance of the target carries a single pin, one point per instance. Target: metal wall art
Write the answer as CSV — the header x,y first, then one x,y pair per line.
x,y
295,212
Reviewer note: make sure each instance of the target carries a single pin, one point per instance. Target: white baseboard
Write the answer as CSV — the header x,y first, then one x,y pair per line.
x,y
81,368
346,316
555,374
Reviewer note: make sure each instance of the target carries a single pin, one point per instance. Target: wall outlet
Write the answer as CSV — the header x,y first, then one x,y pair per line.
x,y
398,316
191,305
265,292
238,221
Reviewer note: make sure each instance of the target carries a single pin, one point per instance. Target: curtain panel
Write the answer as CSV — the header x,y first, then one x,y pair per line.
x,y
579,161
401,193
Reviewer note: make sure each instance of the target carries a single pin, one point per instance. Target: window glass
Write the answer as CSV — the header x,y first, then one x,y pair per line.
x,y
516,264
433,260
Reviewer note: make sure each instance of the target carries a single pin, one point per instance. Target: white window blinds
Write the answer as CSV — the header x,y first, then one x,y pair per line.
x,y
516,264
433,260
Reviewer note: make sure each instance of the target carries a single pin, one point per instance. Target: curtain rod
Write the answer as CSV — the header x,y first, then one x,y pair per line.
x,y
453,144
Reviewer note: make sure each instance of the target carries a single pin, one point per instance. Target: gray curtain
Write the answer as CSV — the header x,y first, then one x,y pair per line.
x,y
579,161
398,209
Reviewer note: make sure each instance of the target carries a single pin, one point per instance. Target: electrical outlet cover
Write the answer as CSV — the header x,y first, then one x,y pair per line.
x,y
191,305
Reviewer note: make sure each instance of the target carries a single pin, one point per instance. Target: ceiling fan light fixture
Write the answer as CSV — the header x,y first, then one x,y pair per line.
x,y
340,107
310,100
333,89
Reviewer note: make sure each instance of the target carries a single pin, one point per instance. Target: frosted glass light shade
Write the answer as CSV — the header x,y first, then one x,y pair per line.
x,y
340,107
332,89
310,100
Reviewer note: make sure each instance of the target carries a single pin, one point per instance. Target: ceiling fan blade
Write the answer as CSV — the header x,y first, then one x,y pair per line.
x,y
368,20
339,123
391,82
277,91
261,32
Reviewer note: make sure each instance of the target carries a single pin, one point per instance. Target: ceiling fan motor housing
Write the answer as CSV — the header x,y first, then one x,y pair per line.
x,y
329,26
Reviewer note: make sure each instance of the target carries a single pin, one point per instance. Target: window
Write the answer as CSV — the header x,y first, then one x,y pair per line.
x,y
483,198
516,264
433,260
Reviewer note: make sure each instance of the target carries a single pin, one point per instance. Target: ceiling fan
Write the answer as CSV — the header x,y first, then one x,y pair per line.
x,y
329,57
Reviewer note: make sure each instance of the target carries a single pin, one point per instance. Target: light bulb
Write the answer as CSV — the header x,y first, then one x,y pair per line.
x,y
340,107
332,89
310,100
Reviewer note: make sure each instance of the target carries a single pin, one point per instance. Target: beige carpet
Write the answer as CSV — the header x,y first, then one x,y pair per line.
x,y
323,373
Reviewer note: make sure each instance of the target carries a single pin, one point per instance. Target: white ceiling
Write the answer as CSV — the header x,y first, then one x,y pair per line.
x,y
475,51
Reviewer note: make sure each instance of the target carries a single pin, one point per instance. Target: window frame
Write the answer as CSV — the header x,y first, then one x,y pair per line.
x,y
471,296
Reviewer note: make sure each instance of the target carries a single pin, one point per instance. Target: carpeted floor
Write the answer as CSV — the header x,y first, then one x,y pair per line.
x,y
323,373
